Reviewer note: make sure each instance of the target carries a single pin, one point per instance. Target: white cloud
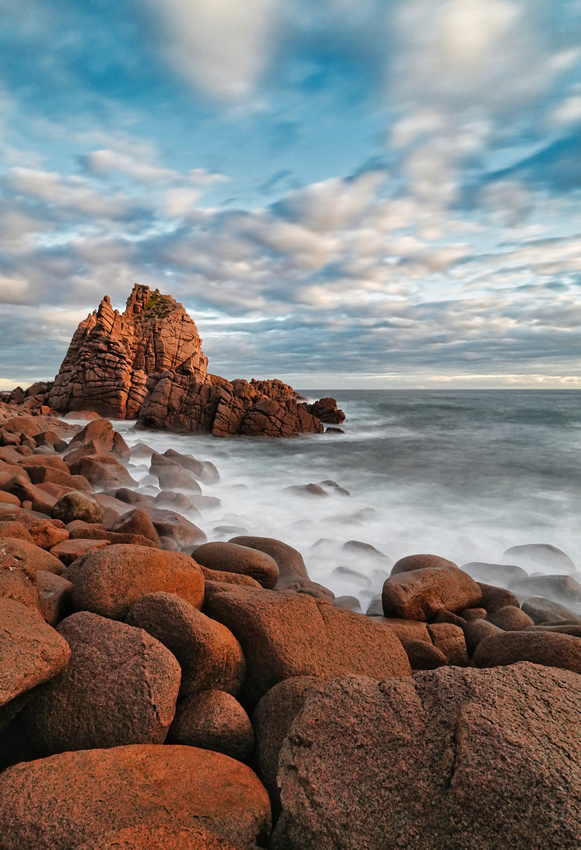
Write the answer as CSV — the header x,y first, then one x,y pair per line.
x,y
66,192
13,290
220,46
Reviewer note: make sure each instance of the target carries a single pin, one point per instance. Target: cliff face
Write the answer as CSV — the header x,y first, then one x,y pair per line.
x,y
147,364
112,354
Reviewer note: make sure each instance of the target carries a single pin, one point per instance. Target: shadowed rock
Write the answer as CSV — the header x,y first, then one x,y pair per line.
x,y
120,687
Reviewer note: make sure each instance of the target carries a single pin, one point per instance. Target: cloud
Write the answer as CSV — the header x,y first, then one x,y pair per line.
x,y
220,46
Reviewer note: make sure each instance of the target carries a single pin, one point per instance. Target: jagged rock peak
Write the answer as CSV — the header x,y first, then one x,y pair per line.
x,y
111,355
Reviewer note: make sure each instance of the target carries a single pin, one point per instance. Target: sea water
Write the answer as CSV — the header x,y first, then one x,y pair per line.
x,y
460,474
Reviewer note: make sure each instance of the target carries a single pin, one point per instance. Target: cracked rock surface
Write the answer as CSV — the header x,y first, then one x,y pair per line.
x,y
450,758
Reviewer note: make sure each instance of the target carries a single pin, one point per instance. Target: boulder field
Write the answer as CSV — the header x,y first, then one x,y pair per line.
x,y
161,691
147,364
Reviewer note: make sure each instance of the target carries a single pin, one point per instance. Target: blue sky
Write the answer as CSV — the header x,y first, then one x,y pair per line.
x,y
380,194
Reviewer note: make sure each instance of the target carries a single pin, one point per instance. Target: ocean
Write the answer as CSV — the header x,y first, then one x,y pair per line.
x,y
462,474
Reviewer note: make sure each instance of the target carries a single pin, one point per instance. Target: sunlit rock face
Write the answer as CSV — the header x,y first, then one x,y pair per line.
x,y
147,364
112,354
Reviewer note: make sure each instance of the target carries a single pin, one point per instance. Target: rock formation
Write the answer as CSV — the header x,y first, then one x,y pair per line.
x,y
111,355
147,364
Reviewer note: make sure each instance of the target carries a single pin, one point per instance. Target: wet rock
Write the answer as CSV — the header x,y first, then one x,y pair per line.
x,y
326,410
548,648
118,791
174,501
495,598
290,561
102,471
120,687
75,505
358,547
419,594
560,588
31,652
208,653
353,576
421,562
307,490
310,588
213,720
171,524
542,610
350,603
447,758
496,574
234,558
511,619
174,477
284,635
539,556
110,580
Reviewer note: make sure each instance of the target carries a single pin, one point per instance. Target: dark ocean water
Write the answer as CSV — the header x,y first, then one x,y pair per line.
x,y
457,473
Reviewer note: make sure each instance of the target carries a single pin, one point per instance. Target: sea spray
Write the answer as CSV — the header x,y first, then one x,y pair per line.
x,y
457,473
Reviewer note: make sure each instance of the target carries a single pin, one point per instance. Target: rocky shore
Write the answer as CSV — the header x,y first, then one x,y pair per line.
x,y
161,691
147,364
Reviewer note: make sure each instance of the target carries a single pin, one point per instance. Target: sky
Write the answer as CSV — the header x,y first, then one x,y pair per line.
x,y
371,194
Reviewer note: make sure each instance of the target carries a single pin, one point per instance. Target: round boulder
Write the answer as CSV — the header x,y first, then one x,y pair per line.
x,y
120,687
511,619
213,720
77,505
108,581
422,562
208,653
420,594
83,798
234,558
549,648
